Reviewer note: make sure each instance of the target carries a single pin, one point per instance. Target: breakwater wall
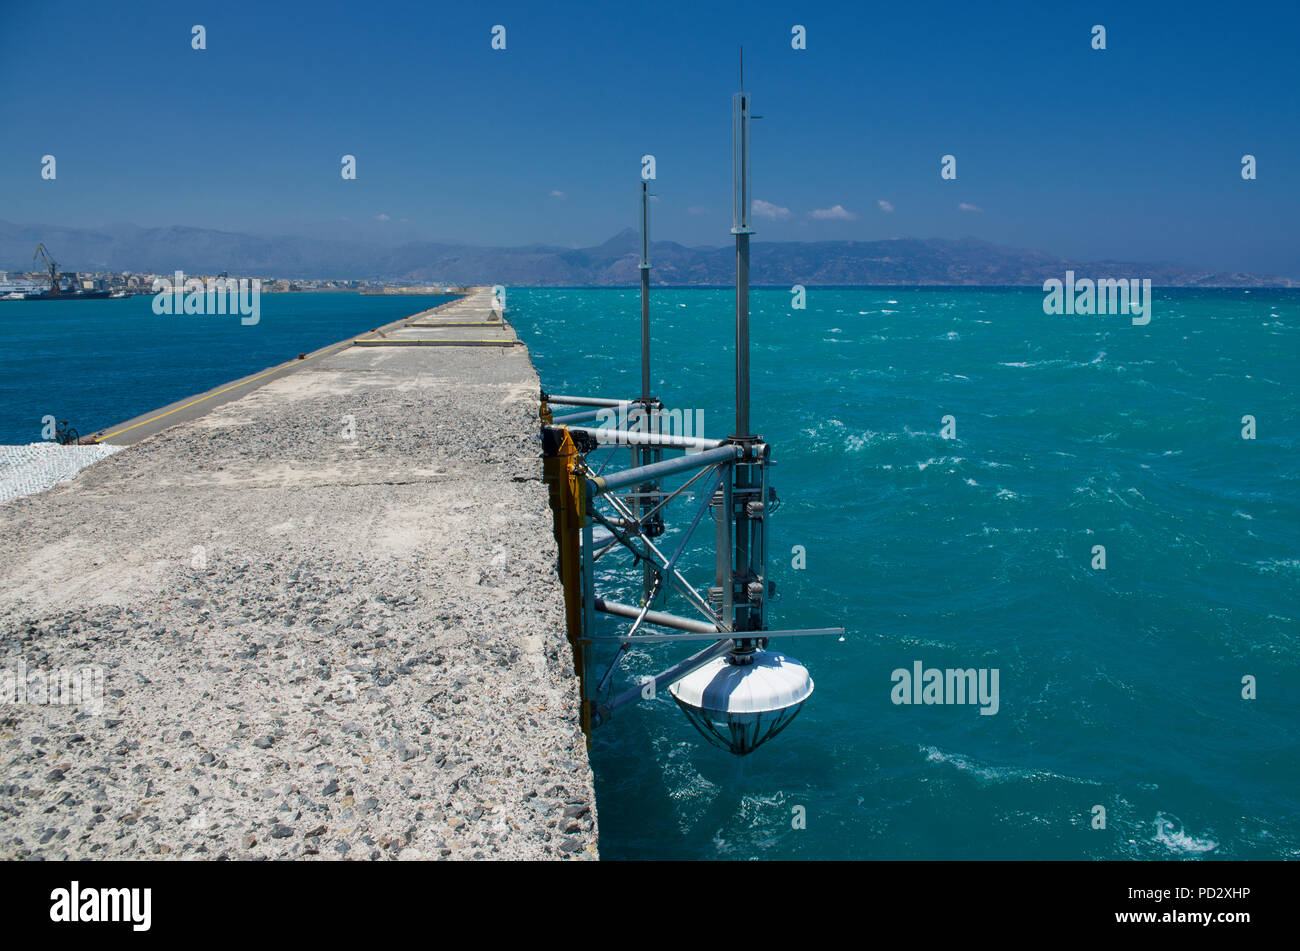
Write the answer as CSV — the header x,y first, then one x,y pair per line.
x,y
326,615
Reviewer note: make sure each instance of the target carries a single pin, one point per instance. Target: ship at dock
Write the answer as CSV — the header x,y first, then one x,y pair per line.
x,y
55,285
12,294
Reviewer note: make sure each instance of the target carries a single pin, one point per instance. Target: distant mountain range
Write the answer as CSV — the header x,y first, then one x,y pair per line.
x,y
899,261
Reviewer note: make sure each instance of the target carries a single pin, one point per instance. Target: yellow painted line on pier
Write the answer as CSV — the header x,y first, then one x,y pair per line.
x,y
429,342
464,323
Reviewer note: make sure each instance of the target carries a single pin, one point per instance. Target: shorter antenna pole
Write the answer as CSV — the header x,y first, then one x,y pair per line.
x,y
646,455
645,290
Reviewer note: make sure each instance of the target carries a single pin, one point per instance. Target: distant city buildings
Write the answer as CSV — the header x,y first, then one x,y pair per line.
x,y
18,285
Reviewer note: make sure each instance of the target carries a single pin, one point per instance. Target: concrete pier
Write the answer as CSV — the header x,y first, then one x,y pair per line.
x,y
326,612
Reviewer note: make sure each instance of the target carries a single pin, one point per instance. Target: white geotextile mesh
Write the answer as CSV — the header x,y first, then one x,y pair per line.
x,y
26,470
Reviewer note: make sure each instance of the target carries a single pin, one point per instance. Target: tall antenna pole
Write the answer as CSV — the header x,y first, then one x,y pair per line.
x,y
740,114
739,567
645,289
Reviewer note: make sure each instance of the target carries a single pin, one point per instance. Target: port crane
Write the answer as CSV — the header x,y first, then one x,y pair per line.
x,y
42,253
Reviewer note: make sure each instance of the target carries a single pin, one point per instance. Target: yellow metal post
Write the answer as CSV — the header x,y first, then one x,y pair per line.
x,y
564,483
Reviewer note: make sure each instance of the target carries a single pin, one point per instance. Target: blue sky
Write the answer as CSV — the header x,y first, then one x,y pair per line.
x,y
1131,153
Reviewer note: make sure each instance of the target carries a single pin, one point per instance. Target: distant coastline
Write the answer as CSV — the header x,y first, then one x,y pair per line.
x,y
897,262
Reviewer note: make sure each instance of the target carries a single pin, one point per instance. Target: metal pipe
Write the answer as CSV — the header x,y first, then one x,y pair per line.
x,y
626,437
656,617
640,618
662,680
709,635
742,335
609,546
699,513
603,484
645,289
572,418
645,333
683,585
609,671
722,550
740,115
676,492
608,460
583,401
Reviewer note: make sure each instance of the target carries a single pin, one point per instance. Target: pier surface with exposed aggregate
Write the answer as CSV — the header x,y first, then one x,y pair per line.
x,y
327,617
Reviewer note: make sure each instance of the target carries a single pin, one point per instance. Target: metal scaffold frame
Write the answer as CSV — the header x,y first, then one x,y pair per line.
x,y
628,505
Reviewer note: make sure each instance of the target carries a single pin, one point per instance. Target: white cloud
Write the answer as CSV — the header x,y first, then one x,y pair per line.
x,y
556,193
765,209
967,206
833,213
885,206
382,217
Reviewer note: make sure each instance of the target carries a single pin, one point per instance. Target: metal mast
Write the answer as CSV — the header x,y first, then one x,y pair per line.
x,y
736,692
740,115
740,563
645,291
647,493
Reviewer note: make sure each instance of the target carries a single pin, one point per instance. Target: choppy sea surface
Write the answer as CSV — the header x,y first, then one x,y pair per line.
x,y
1119,688
100,362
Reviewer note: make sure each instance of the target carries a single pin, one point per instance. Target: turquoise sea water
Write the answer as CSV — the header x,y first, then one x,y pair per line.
x,y
1119,688
96,363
